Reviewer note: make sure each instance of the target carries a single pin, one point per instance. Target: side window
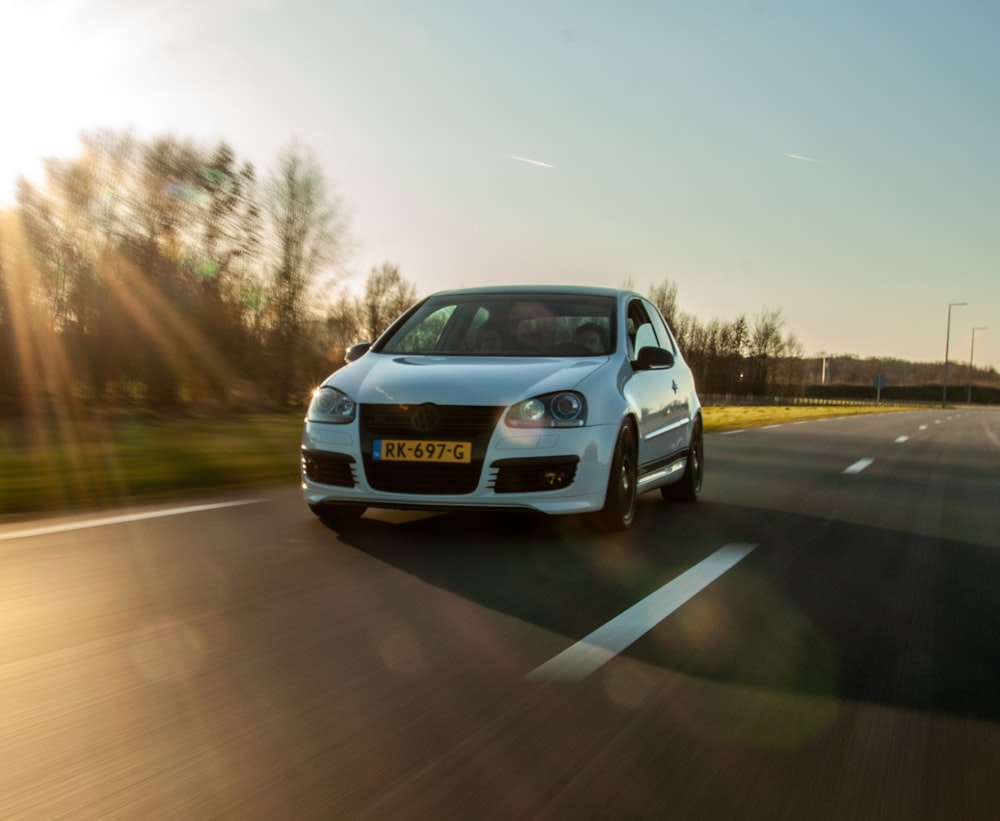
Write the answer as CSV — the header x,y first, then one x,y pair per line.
x,y
641,332
662,331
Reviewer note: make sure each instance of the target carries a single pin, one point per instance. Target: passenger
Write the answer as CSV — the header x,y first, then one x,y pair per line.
x,y
591,336
526,338
521,327
490,339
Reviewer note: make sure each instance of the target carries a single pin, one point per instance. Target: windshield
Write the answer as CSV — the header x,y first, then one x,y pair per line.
x,y
507,325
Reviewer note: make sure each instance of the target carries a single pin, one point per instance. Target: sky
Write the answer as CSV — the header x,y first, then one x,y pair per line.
x,y
839,161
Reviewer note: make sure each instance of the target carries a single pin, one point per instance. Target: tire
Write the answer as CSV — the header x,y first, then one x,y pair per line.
x,y
334,515
687,488
622,497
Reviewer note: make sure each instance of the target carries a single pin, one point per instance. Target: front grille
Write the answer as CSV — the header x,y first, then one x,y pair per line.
x,y
328,468
454,421
468,423
527,475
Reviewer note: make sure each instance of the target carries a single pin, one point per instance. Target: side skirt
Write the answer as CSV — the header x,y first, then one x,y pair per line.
x,y
653,474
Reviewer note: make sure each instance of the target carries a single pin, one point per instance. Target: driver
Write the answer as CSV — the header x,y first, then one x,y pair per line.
x,y
591,336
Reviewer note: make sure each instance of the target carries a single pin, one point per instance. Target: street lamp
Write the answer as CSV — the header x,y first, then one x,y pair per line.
x,y
947,343
972,353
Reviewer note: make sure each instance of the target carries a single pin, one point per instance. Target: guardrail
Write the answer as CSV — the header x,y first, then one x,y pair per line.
x,y
736,400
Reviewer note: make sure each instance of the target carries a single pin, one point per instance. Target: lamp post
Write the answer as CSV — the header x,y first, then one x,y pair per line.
x,y
947,343
972,353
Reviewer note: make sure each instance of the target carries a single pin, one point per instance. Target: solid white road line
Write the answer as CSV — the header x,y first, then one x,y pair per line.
x,y
859,466
117,520
597,649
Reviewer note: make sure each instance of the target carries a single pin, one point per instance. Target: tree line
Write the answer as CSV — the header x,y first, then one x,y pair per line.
x,y
745,356
160,273
754,356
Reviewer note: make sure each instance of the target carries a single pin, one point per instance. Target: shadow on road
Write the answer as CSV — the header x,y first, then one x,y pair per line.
x,y
821,607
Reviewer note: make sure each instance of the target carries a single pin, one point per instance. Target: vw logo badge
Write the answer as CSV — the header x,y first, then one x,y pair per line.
x,y
425,418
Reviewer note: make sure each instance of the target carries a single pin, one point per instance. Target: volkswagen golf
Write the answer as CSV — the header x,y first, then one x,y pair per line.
x,y
563,400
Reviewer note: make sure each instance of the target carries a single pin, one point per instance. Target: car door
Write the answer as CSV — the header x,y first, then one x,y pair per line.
x,y
653,393
682,381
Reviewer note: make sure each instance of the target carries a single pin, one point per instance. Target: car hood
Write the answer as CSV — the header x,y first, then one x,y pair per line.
x,y
458,380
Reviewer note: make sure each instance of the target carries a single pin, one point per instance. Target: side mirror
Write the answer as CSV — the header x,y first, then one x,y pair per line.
x,y
357,351
652,358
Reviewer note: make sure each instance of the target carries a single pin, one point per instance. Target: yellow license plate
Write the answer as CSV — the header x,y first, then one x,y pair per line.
x,y
421,450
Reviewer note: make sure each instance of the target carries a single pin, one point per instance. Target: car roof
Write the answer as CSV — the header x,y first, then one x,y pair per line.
x,y
569,290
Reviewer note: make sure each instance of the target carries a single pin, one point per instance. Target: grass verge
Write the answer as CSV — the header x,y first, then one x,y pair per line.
x,y
96,464
735,417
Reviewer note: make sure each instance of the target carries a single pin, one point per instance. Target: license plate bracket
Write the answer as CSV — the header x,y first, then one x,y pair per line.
x,y
422,450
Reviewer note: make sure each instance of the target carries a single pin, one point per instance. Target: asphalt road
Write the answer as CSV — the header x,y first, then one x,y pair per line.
x,y
818,637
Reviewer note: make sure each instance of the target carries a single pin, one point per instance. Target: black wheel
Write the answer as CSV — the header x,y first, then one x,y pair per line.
x,y
335,515
621,498
689,485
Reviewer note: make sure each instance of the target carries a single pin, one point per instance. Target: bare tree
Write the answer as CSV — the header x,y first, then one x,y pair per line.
x,y
387,295
63,276
158,274
766,347
664,297
225,259
309,228
341,328
790,374
231,225
733,340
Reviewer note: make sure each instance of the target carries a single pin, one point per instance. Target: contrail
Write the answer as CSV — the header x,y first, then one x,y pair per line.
x,y
532,162
800,157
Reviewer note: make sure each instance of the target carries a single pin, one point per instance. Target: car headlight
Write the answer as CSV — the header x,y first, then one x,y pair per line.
x,y
330,405
565,409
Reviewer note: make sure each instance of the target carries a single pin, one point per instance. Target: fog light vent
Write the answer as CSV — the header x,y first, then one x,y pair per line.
x,y
531,475
328,468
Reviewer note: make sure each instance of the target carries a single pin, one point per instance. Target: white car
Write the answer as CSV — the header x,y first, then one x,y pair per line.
x,y
564,400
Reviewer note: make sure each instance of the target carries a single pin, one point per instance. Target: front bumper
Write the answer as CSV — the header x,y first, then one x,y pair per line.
x,y
553,471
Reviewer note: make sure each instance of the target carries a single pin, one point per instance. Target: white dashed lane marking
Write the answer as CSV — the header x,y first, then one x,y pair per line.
x,y
597,649
859,466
